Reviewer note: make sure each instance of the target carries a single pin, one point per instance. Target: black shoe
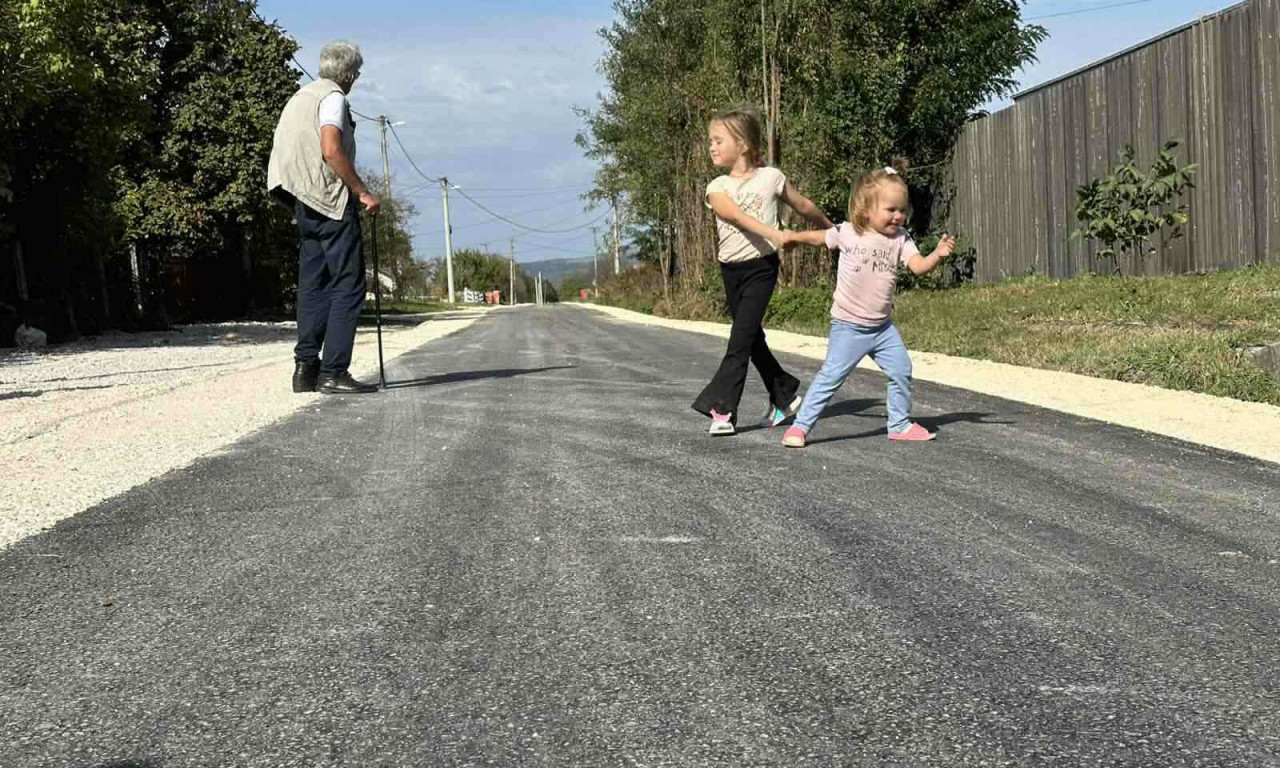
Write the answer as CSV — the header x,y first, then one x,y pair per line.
x,y
343,384
305,375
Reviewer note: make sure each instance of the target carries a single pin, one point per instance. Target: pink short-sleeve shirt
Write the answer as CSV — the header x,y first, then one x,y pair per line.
x,y
868,272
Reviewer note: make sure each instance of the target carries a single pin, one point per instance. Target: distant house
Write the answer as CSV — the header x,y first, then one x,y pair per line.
x,y
387,281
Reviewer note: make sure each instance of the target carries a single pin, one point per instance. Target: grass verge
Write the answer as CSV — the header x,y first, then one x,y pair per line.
x,y
408,307
1184,332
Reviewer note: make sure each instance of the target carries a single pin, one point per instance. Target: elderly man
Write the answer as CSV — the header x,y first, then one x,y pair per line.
x,y
312,170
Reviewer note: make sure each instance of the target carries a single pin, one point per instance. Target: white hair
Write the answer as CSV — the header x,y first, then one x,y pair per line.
x,y
340,61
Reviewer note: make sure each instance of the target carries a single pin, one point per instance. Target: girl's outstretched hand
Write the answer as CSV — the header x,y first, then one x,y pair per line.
x,y
946,246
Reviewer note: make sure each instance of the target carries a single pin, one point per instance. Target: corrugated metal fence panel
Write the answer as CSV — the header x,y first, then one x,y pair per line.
x,y
1173,106
1034,248
1212,86
1237,82
1075,114
1266,51
1147,136
1100,85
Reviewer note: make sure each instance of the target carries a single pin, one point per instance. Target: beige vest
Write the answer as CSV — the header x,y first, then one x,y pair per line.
x,y
297,168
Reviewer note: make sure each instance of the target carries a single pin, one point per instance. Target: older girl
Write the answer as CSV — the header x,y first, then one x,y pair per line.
x,y
745,201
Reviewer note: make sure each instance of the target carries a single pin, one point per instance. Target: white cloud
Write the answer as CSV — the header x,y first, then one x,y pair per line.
x,y
490,104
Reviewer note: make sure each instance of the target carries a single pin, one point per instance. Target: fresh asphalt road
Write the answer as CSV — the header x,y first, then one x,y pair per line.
x,y
532,554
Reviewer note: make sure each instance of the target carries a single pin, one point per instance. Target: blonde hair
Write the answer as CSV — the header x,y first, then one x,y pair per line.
x,y
866,191
743,124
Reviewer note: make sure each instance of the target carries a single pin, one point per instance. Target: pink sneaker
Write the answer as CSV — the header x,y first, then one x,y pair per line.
x,y
794,438
913,434
721,423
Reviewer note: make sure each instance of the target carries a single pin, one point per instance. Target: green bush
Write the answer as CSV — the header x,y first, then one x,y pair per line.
x,y
799,307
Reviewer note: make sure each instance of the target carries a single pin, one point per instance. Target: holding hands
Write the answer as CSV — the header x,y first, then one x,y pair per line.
x,y
786,239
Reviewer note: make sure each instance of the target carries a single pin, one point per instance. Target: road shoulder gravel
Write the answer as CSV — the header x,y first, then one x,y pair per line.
x,y
84,422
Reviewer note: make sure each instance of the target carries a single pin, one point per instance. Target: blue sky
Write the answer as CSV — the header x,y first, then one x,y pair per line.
x,y
487,89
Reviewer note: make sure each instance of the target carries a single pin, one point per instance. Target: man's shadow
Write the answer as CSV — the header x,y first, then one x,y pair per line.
x,y
931,423
460,376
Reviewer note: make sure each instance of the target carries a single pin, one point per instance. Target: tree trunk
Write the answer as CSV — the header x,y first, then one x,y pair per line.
x,y
775,106
103,291
135,278
765,87
246,265
20,271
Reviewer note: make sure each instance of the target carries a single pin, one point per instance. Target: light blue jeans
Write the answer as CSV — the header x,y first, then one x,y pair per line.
x,y
846,346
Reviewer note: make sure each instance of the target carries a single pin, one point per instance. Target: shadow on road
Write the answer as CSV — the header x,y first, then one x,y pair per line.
x,y
931,423
842,408
367,319
40,392
236,333
453,378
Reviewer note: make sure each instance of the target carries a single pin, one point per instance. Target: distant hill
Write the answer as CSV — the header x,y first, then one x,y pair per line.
x,y
555,270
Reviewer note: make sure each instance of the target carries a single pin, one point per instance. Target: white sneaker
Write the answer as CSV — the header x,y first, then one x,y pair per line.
x,y
721,424
775,415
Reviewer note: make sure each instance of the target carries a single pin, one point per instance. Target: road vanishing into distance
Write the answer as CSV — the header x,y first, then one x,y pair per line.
x,y
528,552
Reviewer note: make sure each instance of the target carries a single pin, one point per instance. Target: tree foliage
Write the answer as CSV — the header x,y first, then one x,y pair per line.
x,y
846,86
395,241
139,131
480,271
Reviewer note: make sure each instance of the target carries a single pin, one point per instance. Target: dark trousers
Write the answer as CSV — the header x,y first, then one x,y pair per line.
x,y
330,287
748,286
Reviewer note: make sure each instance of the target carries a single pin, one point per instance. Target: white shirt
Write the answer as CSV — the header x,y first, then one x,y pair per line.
x,y
333,111
757,196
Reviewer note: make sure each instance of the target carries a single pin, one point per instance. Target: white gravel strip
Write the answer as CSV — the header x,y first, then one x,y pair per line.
x,y
83,422
1219,422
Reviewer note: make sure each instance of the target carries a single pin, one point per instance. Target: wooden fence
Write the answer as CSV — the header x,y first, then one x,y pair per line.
x,y
1211,84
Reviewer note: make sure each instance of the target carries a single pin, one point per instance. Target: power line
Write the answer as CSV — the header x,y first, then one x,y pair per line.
x,y
358,114
518,225
405,152
555,250
520,195
529,189
531,210
480,205
254,10
1086,10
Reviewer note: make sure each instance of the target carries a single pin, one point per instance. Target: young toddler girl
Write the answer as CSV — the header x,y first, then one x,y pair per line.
x,y
872,245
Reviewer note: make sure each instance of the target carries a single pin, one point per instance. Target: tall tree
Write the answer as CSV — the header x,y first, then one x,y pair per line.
x,y
197,196
395,241
146,123
73,79
848,85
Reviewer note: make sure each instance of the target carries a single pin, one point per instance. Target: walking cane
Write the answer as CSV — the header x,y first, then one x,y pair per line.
x,y
377,300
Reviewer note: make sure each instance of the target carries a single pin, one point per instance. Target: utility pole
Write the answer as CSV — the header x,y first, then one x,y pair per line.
x,y
386,168
539,289
617,241
595,262
764,83
448,236
512,266
386,182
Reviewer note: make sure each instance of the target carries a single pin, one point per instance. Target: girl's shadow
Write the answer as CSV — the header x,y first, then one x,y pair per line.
x,y
861,408
842,408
